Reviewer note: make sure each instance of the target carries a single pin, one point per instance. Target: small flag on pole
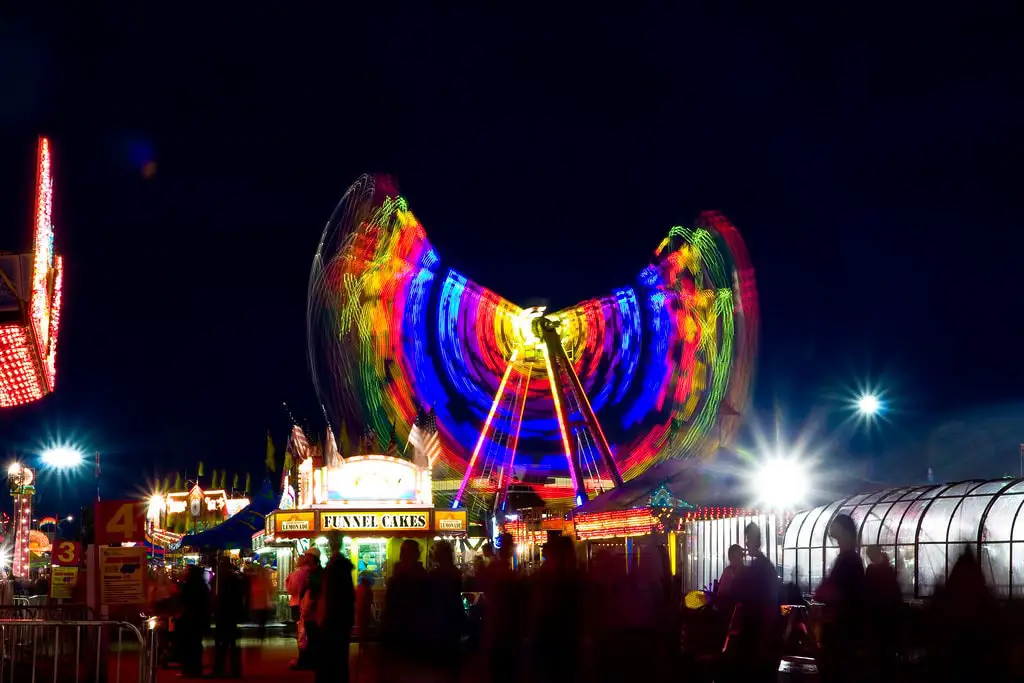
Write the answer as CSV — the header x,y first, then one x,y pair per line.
x,y
425,439
271,452
393,443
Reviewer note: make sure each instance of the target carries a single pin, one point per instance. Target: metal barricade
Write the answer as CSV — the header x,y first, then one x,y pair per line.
x,y
54,612
79,651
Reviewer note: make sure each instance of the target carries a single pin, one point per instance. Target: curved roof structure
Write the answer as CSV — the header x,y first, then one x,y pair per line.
x,y
924,529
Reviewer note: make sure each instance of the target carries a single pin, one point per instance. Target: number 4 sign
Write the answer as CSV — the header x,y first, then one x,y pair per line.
x,y
120,521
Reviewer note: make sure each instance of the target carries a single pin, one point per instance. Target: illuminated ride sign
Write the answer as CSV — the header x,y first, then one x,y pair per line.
x,y
31,289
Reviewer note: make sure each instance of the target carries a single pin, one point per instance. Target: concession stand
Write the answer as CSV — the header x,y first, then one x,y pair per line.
x,y
375,501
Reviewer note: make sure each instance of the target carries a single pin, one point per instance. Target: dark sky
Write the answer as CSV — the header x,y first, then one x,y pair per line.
x,y
870,160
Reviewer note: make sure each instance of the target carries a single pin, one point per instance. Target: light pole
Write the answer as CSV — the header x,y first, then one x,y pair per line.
x,y
63,459
869,406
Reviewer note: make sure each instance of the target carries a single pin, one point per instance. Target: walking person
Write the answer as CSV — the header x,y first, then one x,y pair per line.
x,y
335,614
405,616
261,599
446,612
228,613
842,593
309,629
753,640
296,584
194,621
883,614
503,614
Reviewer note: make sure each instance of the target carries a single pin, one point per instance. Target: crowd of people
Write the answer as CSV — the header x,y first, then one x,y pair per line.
x,y
188,604
864,630
608,622
553,624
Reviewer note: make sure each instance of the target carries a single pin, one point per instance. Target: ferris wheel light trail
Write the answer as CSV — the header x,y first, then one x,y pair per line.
x,y
561,424
487,424
634,377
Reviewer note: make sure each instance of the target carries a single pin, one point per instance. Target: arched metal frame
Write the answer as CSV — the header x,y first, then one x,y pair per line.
x,y
924,529
707,545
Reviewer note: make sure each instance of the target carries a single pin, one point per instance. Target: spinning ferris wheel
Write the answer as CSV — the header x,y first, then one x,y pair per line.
x,y
572,402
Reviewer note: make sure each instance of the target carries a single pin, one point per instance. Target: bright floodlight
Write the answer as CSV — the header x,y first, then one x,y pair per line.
x,y
62,458
13,468
869,405
781,483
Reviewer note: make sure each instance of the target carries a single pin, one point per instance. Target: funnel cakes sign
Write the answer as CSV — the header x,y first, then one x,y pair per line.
x,y
375,521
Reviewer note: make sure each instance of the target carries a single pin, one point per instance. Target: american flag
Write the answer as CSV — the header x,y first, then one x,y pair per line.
x,y
425,439
332,457
300,443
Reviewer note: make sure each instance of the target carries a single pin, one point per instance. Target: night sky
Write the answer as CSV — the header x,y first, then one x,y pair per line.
x,y
870,161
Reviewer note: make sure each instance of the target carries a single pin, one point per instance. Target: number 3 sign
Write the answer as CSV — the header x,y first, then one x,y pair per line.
x,y
120,521
66,553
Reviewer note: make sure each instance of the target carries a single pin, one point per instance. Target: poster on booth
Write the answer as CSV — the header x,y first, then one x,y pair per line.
x,y
122,576
62,582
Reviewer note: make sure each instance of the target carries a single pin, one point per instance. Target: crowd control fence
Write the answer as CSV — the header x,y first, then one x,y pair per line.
x,y
78,651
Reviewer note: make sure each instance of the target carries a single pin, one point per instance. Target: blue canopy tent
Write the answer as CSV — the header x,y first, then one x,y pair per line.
x,y
236,532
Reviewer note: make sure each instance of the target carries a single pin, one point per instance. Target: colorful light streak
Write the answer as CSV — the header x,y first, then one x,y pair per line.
x,y
390,328
487,426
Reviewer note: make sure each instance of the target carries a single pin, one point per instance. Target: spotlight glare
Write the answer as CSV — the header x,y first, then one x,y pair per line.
x,y
62,457
781,483
869,405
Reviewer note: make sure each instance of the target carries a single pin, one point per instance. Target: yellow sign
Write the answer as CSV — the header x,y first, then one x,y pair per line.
x,y
450,521
62,582
375,521
122,576
295,522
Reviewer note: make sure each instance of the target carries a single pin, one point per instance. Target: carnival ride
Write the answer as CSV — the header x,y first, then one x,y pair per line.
x,y
31,288
575,402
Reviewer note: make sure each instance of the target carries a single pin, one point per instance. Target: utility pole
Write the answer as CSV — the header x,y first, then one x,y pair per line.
x,y
97,476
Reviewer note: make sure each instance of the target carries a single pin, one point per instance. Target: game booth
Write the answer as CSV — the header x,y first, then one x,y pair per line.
x,y
374,501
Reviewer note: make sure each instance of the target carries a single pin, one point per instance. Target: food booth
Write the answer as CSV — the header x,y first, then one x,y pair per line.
x,y
375,501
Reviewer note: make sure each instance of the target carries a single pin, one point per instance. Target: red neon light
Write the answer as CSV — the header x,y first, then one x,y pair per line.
x,y
20,380
614,524
28,349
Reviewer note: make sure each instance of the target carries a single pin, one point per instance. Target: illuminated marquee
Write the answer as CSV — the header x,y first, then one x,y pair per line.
x,y
377,481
